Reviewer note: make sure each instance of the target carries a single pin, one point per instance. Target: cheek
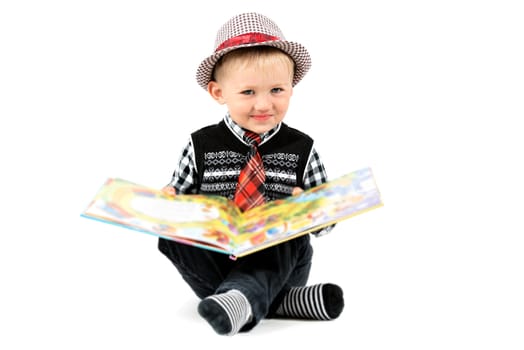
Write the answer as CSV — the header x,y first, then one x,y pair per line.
x,y
239,107
283,105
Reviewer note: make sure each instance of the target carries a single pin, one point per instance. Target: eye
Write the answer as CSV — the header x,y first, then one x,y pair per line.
x,y
248,92
276,90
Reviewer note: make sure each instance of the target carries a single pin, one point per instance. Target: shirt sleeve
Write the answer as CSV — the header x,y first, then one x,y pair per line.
x,y
315,175
185,180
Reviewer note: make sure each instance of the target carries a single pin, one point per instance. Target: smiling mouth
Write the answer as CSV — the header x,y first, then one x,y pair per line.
x,y
261,116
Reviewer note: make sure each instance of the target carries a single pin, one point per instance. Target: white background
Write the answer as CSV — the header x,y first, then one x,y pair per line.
x,y
427,93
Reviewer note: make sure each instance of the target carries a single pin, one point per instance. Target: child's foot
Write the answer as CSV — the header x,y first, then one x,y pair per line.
x,y
317,302
227,313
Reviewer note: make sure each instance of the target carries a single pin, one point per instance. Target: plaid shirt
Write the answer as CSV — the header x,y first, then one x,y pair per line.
x,y
185,177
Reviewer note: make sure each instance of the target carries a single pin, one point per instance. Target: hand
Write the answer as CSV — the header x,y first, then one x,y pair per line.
x,y
296,190
169,191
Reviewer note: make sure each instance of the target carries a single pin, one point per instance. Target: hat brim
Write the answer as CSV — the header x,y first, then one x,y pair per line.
x,y
296,51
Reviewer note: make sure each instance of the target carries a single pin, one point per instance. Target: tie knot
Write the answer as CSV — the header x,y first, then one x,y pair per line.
x,y
252,138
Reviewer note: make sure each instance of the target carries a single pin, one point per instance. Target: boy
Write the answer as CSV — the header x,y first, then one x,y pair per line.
x,y
251,156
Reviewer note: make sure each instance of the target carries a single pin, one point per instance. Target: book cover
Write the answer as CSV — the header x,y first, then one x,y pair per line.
x,y
215,223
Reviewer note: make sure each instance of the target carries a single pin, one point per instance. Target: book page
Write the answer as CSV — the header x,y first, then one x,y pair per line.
x,y
191,219
318,207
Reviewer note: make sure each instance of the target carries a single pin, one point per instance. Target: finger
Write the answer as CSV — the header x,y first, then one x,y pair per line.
x,y
296,190
168,190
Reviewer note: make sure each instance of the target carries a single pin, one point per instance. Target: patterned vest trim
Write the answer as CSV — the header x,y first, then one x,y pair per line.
x,y
220,156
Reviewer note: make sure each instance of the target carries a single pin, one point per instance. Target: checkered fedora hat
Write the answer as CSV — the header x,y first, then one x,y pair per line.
x,y
252,29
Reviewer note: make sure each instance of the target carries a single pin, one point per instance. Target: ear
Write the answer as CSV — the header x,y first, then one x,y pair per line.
x,y
215,91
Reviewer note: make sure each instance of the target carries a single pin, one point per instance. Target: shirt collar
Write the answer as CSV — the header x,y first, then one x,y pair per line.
x,y
239,132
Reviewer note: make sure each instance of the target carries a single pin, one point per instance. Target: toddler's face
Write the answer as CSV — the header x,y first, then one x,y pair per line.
x,y
257,94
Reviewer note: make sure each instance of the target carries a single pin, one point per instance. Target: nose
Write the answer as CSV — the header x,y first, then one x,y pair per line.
x,y
263,102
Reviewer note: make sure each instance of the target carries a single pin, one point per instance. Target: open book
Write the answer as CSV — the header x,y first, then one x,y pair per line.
x,y
214,222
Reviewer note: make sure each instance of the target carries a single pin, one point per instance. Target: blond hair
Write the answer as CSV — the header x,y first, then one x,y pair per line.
x,y
263,55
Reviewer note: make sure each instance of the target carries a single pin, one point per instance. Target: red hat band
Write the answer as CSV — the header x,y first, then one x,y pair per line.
x,y
248,38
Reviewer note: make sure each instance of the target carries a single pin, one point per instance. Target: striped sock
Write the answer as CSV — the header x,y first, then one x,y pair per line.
x,y
227,313
317,302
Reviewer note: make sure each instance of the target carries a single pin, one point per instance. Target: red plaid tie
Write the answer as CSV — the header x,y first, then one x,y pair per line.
x,y
250,188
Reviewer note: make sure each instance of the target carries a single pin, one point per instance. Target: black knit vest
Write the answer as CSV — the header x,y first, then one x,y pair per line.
x,y
220,156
